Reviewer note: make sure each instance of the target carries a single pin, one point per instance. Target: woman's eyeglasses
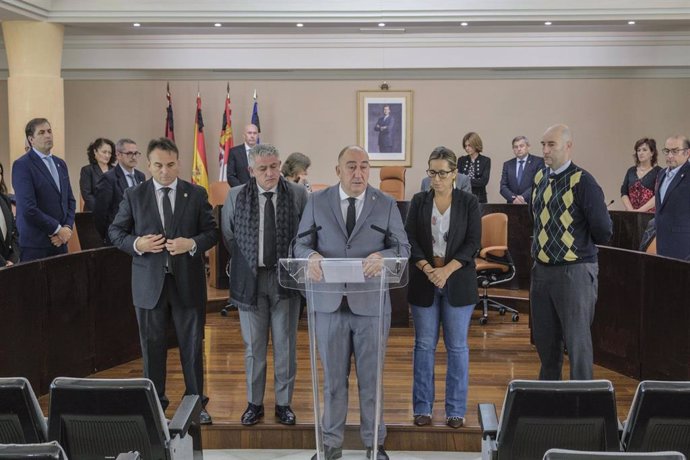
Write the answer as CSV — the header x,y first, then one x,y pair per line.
x,y
441,173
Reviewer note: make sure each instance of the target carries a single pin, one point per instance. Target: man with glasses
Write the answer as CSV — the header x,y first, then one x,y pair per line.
x,y
112,185
518,173
673,201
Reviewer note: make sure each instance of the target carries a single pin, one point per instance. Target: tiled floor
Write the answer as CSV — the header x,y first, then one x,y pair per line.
x,y
258,454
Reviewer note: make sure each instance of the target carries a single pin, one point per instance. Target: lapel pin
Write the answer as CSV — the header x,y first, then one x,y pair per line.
x,y
185,195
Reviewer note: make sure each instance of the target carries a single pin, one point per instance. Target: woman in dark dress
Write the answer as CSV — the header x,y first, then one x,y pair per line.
x,y
9,246
444,229
475,165
637,191
101,153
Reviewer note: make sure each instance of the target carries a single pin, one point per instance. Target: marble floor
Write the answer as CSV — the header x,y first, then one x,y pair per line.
x,y
285,454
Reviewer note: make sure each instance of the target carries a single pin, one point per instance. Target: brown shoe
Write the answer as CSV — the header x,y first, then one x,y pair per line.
x,y
455,422
422,420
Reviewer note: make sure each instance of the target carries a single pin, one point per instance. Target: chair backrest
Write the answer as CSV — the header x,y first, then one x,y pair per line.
x,y
317,187
659,418
99,418
565,454
393,181
44,451
21,419
217,192
541,415
494,230
74,245
651,248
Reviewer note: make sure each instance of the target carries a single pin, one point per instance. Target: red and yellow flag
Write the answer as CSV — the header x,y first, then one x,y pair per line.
x,y
199,166
226,140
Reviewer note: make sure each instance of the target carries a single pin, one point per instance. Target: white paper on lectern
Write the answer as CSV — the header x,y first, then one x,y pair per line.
x,y
342,271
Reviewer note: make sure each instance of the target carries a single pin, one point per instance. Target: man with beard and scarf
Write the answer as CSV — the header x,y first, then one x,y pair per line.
x,y
259,221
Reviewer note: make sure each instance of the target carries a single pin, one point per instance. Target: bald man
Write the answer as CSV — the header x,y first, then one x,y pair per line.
x,y
570,218
238,166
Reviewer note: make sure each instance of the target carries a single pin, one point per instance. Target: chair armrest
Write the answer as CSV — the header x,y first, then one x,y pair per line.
x,y
488,421
489,249
185,415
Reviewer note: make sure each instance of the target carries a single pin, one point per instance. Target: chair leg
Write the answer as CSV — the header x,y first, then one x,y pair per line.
x,y
488,302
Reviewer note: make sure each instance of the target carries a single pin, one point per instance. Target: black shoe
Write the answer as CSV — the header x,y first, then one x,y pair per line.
x,y
422,420
252,415
285,415
380,454
205,417
330,453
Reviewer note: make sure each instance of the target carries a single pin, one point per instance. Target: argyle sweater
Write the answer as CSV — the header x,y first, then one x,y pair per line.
x,y
570,217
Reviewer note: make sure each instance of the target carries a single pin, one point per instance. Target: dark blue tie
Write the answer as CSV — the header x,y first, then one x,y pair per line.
x,y
521,169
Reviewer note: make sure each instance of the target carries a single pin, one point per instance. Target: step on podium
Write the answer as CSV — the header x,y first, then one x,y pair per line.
x,y
327,284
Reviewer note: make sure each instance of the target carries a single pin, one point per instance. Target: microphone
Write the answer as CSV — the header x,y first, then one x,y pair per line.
x,y
312,231
389,235
610,203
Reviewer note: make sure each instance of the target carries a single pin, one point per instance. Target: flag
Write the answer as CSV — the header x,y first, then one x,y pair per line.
x,y
255,117
199,168
226,141
169,125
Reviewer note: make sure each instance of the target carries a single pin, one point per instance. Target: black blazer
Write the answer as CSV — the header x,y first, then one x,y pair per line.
x,y
138,216
509,184
109,192
88,180
464,240
9,244
482,177
238,173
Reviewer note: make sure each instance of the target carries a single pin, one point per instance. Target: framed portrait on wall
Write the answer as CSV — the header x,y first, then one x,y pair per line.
x,y
384,126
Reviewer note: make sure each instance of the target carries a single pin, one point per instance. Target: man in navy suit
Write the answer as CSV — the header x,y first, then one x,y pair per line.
x,y
384,126
45,203
673,201
238,166
518,173
112,185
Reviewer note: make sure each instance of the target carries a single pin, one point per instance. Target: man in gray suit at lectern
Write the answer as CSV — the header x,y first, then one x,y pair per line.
x,y
347,324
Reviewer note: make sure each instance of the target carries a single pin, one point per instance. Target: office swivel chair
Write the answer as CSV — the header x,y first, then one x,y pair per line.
x,y
102,418
393,181
494,264
541,415
565,454
44,451
659,418
21,419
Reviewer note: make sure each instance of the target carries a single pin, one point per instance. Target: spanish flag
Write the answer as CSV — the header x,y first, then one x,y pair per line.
x,y
199,167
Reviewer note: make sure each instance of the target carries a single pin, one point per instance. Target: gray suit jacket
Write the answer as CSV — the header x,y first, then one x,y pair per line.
x,y
323,209
462,182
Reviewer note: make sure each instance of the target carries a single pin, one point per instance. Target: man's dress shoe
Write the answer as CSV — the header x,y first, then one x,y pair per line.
x,y
252,415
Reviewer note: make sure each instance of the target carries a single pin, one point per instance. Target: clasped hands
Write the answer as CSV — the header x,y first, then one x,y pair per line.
x,y
371,266
158,243
61,237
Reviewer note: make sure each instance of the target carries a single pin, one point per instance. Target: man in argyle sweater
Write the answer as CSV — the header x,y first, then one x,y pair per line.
x,y
570,218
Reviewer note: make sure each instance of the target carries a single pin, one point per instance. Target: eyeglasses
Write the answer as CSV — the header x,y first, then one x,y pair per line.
x,y
673,152
442,174
131,154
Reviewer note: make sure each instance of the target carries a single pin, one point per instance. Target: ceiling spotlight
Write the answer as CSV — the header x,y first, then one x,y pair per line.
x,y
631,23
547,23
136,24
217,24
464,24
299,24
382,24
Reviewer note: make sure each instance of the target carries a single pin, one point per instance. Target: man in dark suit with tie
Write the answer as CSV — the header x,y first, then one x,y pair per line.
x,y
260,220
673,201
518,173
384,126
45,203
347,325
112,185
238,166
166,225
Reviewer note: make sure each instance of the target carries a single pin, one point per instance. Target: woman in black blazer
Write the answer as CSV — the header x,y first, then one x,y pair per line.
x,y
101,153
444,229
475,165
9,246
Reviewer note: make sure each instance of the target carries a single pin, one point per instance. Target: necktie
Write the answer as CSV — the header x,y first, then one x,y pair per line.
x,y
167,224
53,171
270,258
351,216
664,185
521,169
133,181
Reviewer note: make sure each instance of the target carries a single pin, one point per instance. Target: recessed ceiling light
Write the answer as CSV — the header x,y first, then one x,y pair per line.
x,y
217,24
631,23
299,24
136,24
382,24
547,23
464,24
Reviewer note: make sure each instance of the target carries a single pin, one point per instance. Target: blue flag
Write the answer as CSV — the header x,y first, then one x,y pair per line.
x,y
255,118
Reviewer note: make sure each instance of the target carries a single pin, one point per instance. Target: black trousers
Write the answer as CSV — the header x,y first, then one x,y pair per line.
x,y
189,323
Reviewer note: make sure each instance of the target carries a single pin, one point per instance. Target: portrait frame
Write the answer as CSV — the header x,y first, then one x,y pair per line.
x,y
392,148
